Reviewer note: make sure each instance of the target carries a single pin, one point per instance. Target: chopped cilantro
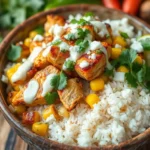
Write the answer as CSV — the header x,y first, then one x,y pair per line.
x,y
14,53
56,42
69,64
59,82
124,35
51,97
82,33
87,14
146,44
83,44
81,22
70,36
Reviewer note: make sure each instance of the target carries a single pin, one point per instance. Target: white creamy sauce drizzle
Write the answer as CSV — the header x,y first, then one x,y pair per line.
x,y
25,67
84,64
46,85
56,30
46,51
31,91
38,37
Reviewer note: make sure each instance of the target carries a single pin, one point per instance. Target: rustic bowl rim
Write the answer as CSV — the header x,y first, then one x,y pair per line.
x,y
17,124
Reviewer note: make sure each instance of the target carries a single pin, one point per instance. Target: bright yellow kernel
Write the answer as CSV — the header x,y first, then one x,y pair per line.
x,y
12,70
20,109
123,69
27,42
32,34
63,112
51,110
139,60
92,99
97,84
115,53
40,128
119,40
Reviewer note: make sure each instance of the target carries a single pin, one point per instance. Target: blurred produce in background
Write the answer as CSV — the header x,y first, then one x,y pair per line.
x,y
13,12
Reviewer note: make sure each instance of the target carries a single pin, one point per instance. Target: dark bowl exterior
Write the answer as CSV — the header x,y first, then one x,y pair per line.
x,y
19,33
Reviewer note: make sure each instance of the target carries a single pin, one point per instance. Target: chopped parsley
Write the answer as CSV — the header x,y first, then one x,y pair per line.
x,y
138,74
14,53
70,36
88,14
51,97
59,82
56,42
81,22
69,65
146,44
82,33
83,45
124,35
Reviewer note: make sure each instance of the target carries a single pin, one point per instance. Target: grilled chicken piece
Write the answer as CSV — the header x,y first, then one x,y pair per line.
x,y
52,20
72,94
96,66
57,57
40,78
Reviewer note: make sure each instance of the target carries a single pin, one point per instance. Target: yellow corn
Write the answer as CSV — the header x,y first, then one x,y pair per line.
x,y
119,40
92,99
63,112
139,60
51,110
12,70
27,42
19,109
97,84
115,53
123,69
32,34
40,128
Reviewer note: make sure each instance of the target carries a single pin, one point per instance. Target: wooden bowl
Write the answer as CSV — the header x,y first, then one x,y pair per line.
x,y
19,33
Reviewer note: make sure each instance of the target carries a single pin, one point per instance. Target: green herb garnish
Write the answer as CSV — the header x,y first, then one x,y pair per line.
x,y
14,53
89,14
146,44
70,36
69,64
124,35
82,33
83,44
56,42
59,82
81,22
51,97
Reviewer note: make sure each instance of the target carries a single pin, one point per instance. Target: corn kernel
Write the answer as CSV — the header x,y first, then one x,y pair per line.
x,y
32,34
139,60
97,84
123,69
92,99
40,128
63,112
115,53
20,109
27,42
12,70
119,40
51,110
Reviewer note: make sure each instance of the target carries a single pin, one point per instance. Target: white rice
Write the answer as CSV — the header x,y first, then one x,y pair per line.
x,y
121,113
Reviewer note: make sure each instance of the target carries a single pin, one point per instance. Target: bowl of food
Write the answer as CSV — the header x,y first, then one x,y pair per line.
x,y
77,77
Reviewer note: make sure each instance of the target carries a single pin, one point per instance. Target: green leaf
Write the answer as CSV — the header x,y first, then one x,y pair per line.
x,y
69,64
82,33
1,38
14,53
131,79
124,35
87,14
51,97
83,44
140,75
70,36
59,82
56,42
62,81
146,44
5,20
40,30
81,22
132,55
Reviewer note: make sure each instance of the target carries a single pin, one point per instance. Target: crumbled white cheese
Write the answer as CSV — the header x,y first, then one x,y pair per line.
x,y
56,30
38,38
64,46
92,56
84,64
95,45
119,76
137,46
74,54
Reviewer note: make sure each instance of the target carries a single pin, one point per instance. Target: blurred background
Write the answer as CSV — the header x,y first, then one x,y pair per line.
x,y
14,12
